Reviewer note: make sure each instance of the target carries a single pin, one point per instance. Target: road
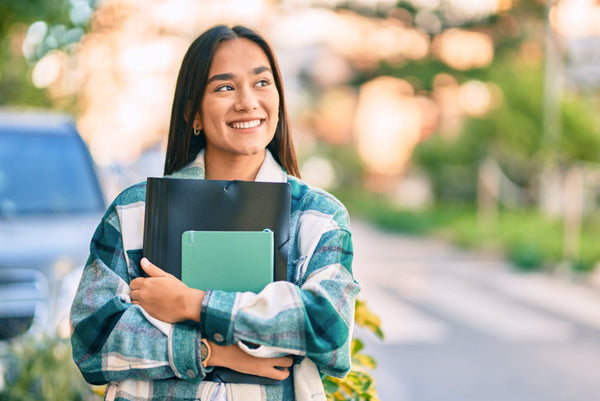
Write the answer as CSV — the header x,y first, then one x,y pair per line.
x,y
464,326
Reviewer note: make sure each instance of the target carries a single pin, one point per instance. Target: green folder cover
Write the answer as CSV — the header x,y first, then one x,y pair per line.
x,y
227,260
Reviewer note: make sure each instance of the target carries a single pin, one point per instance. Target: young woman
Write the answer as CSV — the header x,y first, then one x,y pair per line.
x,y
152,337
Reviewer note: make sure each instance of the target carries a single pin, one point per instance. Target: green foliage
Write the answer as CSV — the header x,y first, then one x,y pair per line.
x,y
15,16
367,319
41,368
29,11
580,139
528,238
65,25
527,255
358,385
451,164
513,134
517,124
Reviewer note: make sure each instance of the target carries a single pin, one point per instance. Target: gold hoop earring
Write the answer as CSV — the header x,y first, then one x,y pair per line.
x,y
196,131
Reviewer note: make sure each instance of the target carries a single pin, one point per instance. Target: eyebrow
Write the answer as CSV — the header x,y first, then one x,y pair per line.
x,y
229,76
261,69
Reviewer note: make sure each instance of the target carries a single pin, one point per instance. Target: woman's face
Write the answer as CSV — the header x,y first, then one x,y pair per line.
x,y
240,108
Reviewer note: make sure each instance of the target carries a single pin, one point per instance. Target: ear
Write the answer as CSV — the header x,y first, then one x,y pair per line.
x,y
197,123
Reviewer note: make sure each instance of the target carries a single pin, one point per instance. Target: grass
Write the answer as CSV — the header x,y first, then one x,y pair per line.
x,y
528,238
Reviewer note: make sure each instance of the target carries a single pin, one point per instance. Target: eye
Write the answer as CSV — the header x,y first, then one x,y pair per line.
x,y
263,82
224,88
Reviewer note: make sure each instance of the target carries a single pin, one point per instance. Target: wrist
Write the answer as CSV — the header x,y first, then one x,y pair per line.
x,y
193,306
218,354
205,353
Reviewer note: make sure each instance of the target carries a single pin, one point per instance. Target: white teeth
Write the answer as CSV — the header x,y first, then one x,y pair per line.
x,y
246,124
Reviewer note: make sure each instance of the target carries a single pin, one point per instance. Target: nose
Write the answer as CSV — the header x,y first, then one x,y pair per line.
x,y
246,100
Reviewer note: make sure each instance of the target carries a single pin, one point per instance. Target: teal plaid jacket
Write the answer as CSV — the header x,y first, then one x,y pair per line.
x,y
311,315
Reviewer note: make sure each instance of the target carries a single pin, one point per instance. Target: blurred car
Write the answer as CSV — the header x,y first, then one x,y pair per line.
x,y
51,201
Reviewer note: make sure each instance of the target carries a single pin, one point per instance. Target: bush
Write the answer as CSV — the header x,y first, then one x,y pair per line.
x,y
527,255
358,385
41,368
530,239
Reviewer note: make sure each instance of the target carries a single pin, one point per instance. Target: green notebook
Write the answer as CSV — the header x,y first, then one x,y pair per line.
x,y
236,261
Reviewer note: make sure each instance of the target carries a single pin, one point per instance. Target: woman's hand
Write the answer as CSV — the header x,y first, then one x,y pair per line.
x,y
164,296
233,357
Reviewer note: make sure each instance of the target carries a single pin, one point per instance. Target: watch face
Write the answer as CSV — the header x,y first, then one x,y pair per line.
x,y
203,351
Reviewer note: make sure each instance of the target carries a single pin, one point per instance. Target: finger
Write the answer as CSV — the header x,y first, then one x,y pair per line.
x,y
280,374
136,283
152,270
283,362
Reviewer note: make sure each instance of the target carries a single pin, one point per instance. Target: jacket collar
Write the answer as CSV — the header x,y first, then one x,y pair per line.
x,y
270,170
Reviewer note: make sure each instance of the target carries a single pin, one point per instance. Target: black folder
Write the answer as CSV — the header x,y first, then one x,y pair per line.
x,y
176,205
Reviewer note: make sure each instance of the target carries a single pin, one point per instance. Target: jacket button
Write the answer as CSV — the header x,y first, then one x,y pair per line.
x,y
218,337
190,373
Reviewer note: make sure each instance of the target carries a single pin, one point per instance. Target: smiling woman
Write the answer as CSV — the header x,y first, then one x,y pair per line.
x,y
148,334
239,111
236,72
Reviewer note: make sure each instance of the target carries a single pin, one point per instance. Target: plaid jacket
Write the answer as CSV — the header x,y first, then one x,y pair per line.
x,y
142,358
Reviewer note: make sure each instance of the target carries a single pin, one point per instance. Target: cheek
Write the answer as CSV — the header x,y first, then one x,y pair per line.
x,y
272,101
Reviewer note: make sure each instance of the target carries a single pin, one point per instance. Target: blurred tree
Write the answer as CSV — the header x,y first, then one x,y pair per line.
x,y
42,368
29,11
513,132
49,25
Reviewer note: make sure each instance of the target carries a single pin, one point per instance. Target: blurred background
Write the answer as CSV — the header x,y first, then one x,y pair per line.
x,y
473,123
458,111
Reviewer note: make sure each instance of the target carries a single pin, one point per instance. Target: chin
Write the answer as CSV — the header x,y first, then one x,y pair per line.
x,y
253,150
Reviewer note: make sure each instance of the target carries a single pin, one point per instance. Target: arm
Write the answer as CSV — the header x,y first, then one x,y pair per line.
x,y
114,340
233,357
166,298
312,316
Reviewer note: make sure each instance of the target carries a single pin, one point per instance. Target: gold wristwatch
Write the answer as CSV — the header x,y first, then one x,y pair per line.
x,y
205,352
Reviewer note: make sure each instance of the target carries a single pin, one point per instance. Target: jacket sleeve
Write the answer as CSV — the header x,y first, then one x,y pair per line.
x,y
114,340
312,316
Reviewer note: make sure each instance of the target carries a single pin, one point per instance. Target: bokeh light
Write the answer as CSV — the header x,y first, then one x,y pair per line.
x,y
576,18
463,50
334,122
48,69
388,125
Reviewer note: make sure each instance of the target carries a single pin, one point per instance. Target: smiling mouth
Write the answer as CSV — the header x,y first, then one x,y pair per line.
x,y
246,124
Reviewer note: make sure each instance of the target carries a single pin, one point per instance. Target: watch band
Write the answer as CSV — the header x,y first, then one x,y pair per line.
x,y
205,352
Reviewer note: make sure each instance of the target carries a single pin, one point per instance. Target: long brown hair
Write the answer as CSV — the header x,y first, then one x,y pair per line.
x,y
183,146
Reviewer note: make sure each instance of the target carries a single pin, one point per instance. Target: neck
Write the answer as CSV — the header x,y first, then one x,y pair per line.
x,y
240,168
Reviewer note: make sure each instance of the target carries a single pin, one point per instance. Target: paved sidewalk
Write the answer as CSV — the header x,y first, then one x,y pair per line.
x,y
463,325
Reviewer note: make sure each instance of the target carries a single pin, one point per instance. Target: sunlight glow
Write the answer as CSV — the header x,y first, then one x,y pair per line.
x,y
576,18
366,41
48,69
463,50
319,172
475,98
333,121
464,10
134,50
388,125
445,93
460,11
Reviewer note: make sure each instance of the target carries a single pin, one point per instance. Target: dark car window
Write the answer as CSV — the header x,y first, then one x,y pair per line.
x,y
48,174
